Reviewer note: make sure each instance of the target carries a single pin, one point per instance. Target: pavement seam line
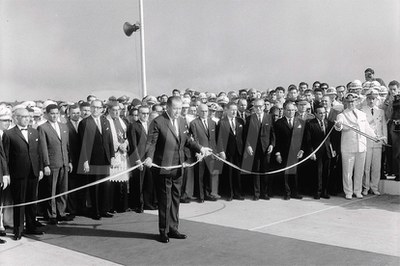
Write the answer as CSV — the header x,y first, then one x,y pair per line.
x,y
308,214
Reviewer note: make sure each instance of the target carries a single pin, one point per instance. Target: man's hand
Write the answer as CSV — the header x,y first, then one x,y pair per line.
x,y
313,157
70,167
148,162
47,170
6,181
250,150
138,162
300,154
222,155
86,167
123,147
185,165
40,175
381,139
270,148
199,156
205,151
279,158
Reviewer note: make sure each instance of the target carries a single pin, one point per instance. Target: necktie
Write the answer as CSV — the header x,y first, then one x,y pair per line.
x,y
57,129
290,123
259,119
205,124
372,111
175,123
233,126
24,132
322,125
98,124
354,112
119,129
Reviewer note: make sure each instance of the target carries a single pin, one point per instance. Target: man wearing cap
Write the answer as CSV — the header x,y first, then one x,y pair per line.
x,y
353,146
369,74
54,143
302,113
377,121
331,92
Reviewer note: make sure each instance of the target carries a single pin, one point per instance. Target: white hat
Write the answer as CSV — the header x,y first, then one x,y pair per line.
x,y
5,113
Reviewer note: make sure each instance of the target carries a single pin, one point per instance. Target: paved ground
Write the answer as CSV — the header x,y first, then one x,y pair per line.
x,y
275,232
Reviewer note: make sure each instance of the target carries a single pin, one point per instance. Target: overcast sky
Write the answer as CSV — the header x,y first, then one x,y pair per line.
x,y
66,50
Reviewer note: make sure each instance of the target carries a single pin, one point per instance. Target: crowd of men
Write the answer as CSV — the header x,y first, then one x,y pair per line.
x,y
349,133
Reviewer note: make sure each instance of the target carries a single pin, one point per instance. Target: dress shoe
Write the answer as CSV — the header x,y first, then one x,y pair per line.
x,y
176,235
297,196
287,197
17,236
33,232
96,217
210,198
138,210
150,207
200,200
66,218
229,199
255,198
164,238
184,200
317,196
265,197
38,224
108,215
365,192
3,233
325,196
348,197
359,196
2,241
376,193
52,221
238,197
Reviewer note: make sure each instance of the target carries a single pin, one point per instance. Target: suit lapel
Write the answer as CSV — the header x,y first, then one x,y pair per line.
x,y
169,125
53,130
19,133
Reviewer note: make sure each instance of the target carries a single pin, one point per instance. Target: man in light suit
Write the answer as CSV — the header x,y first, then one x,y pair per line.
x,y
21,146
97,155
142,189
203,130
377,121
230,147
168,134
353,146
259,139
54,143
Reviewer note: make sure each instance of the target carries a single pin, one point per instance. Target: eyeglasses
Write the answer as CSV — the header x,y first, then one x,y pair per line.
x,y
5,120
144,113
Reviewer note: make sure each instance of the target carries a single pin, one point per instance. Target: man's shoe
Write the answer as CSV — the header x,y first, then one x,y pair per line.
x,y
264,197
34,232
184,200
2,241
229,199
210,198
376,193
200,200
287,197
164,238
176,235
3,233
107,215
317,197
365,192
297,196
348,197
138,210
17,236
359,196
96,217
325,196
255,198
66,218
238,197
38,224
52,221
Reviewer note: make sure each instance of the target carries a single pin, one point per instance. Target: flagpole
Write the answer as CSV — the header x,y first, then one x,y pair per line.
x,y
142,49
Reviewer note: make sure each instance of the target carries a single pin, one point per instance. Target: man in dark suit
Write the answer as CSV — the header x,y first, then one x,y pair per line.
x,y
203,130
243,113
289,134
230,147
315,131
259,143
142,190
4,177
21,146
97,155
54,143
168,134
76,201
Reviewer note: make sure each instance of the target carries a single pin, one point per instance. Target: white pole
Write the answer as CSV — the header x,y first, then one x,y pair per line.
x,y
144,85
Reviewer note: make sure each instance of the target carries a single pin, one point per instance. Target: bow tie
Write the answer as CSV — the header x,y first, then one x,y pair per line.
x,y
24,129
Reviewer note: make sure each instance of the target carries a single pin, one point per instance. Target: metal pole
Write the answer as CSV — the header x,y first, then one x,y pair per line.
x,y
144,84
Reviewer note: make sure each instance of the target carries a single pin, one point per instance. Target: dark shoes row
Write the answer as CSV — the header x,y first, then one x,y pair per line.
x,y
54,221
36,232
102,215
164,238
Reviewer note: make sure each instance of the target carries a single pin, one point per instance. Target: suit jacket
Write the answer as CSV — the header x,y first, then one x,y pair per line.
x,y
22,156
256,136
350,140
164,147
137,139
55,150
97,148
74,144
289,140
207,138
377,122
314,135
3,163
228,142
